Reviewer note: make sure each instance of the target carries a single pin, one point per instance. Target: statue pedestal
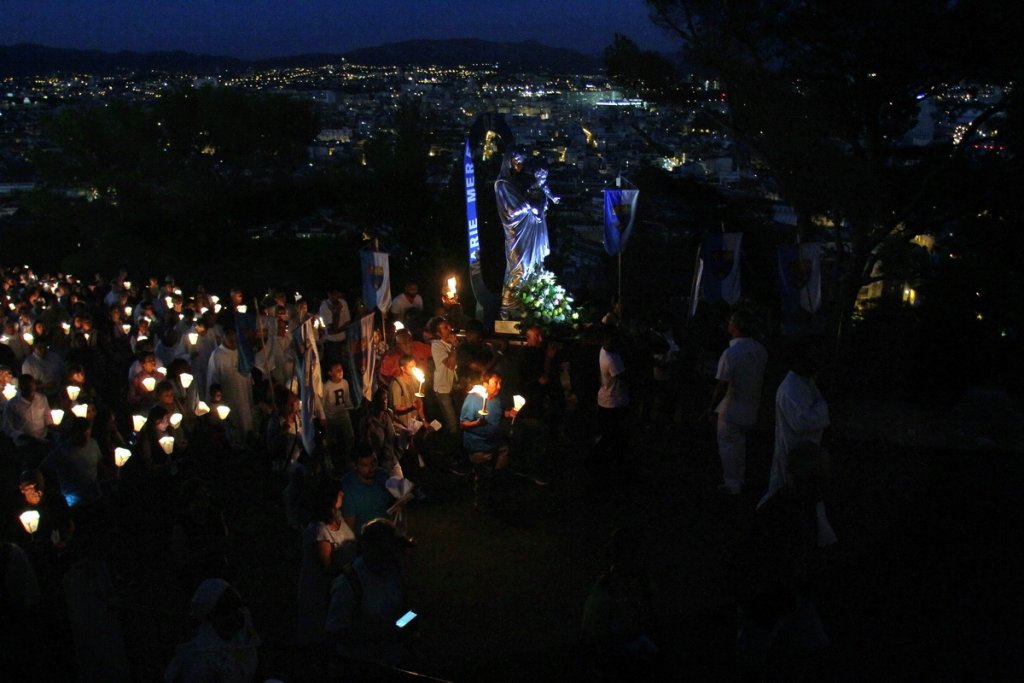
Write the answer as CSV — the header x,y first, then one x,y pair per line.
x,y
509,327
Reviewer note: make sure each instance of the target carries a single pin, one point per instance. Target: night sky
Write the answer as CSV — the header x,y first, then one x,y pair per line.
x,y
267,28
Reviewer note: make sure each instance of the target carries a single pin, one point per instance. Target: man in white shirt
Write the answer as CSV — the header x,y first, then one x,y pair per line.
x,y
236,386
46,367
737,399
335,316
27,420
409,298
442,349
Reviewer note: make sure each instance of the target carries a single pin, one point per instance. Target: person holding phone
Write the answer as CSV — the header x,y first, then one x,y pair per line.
x,y
368,601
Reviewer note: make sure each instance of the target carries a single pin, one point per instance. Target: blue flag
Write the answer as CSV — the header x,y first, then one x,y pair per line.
x,y
800,278
619,215
246,329
720,261
360,361
376,279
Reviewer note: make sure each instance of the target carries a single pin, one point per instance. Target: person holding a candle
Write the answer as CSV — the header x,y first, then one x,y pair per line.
x,y
6,379
235,386
76,463
141,391
481,422
27,421
407,405
165,398
46,367
55,524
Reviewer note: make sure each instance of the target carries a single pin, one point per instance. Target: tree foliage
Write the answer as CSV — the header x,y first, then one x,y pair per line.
x,y
824,94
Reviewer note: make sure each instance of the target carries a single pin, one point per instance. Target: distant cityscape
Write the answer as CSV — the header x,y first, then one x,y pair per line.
x,y
588,131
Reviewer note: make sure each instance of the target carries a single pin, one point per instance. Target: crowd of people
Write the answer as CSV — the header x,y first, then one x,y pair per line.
x,y
124,403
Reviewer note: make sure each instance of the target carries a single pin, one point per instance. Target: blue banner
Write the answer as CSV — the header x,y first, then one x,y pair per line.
x,y
619,216
800,278
360,361
720,256
472,228
376,279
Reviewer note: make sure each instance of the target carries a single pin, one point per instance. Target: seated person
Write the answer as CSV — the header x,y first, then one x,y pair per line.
x,y
366,495
481,433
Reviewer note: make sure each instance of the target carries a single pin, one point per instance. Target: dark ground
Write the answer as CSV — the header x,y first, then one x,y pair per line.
x,y
924,582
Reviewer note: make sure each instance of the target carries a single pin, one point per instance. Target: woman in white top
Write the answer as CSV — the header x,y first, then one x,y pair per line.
x,y
328,544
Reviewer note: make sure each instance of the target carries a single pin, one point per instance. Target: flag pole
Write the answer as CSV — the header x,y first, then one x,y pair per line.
x,y
618,184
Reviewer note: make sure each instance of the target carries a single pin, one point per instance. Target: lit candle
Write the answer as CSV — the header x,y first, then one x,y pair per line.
x,y
421,378
121,456
73,391
162,371
57,415
399,325
12,306
10,391
126,328
203,310
128,310
127,284
451,288
214,298
167,443
202,409
149,383
222,412
66,327
141,338
29,520
138,421
518,402
175,420
169,301
297,296
80,410
28,337
193,338
185,379
216,308
481,391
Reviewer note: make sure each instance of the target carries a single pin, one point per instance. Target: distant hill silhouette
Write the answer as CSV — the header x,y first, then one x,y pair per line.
x,y
528,55
28,59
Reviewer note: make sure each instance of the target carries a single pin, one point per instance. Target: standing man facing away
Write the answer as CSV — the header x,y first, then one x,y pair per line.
x,y
737,398
612,402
